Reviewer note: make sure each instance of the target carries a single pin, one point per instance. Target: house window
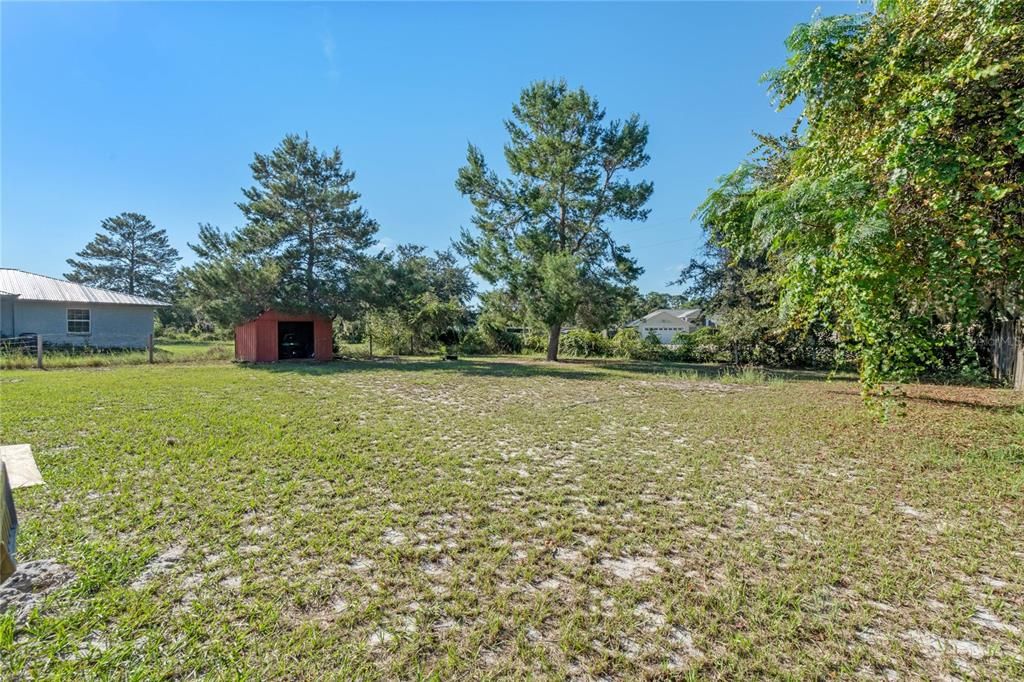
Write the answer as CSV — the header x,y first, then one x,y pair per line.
x,y
79,321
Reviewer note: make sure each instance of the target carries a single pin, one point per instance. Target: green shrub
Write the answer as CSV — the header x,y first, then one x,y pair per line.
x,y
580,343
496,339
389,332
535,342
474,343
627,343
707,345
684,350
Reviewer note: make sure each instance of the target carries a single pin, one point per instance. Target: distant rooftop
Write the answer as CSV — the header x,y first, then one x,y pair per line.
x,y
28,286
680,313
674,312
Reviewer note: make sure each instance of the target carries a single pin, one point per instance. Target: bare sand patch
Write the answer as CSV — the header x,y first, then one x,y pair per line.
x,y
394,537
162,563
639,568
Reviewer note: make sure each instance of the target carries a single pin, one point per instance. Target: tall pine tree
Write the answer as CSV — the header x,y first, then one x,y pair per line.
x,y
542,233
131,256
304,239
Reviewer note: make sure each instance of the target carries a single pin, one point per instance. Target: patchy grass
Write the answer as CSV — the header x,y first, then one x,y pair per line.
x,y
484,518
163,351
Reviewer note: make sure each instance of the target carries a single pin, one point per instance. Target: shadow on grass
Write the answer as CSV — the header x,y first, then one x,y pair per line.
x,y
973,404
477,367
714,371
513,366
981,403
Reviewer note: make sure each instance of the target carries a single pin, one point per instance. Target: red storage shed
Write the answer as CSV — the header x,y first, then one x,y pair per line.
x,y
274,336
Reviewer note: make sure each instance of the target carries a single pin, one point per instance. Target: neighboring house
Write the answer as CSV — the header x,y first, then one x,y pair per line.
x,y
64,313
665,323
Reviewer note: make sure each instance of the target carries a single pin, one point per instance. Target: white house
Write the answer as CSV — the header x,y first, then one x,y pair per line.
x,y
667,322
65,313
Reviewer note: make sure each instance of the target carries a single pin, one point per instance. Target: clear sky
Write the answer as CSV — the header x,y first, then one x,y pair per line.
x,y
158,108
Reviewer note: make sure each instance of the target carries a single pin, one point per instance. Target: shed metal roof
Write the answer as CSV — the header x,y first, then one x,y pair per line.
x,y
28,286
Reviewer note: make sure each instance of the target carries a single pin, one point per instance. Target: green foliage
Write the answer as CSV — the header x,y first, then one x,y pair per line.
x,y
473,342
495,339
535,341
409,273
228,283
131,256
541,233
899,219
684,345
436,322
627,343
421,298
303,242
499,322
705,345
183,315
580,343
389,331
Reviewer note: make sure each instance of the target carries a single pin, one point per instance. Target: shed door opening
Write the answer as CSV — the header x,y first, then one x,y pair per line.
x,y
294,340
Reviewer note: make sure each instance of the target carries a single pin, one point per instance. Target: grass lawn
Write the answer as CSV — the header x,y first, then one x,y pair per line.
x,y
510,518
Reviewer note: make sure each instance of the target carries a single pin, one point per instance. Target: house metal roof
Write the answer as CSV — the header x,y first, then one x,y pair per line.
x,y
28,286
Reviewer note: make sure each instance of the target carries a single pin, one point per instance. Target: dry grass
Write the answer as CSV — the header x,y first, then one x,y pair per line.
x,y
514,519
163,351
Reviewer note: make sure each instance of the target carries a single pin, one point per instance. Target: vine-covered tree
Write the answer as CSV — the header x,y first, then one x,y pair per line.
x,y
542,233
901,216
303,241
130,255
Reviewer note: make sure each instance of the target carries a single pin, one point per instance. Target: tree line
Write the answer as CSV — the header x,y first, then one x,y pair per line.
x,y
539,238
885,230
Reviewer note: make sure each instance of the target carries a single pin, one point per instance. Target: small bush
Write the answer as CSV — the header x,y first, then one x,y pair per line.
x,y
627,344
389,332
579,343
535,342
707,345
474,343
684,347
496,339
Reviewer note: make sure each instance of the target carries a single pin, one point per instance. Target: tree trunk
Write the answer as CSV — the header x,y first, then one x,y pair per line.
x,y
310,283
554,333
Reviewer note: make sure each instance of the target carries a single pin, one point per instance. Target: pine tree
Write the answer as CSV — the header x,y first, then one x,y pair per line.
x,y
542,232
131,256
302,215
302,247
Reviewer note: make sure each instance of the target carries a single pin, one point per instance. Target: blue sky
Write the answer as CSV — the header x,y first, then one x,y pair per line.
x,y
158,108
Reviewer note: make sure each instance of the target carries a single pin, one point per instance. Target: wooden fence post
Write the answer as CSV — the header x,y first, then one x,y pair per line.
x,y
39,351
1018,377
149,347
1008,353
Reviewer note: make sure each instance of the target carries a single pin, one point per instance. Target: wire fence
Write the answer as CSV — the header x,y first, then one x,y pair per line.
x,y
43,351
25,343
